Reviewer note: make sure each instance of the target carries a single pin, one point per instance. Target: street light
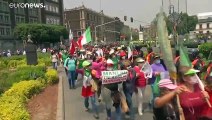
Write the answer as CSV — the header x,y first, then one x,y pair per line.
x,y
102,25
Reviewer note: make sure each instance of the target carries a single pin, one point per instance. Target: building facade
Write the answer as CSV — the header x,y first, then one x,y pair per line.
x,y
80,18
11,16
204,23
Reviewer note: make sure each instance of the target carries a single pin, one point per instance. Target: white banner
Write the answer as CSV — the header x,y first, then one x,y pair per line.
x,y
116,76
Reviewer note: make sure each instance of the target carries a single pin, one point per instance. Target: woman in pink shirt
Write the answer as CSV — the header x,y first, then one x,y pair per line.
x,y
140,84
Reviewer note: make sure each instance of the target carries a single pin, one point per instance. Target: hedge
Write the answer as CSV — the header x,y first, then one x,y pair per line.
x,y
12,102
205,49
8,78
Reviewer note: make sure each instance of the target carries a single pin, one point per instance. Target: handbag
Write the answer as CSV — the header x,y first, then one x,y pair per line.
x,y
93,86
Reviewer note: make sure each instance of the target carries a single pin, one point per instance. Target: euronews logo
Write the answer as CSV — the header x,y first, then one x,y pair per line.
x,y
26,5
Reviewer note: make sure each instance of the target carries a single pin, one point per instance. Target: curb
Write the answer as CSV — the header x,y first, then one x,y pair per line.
x,y
60,100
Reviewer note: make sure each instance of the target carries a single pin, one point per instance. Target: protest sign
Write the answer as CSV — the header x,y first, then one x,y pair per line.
x,y
116,76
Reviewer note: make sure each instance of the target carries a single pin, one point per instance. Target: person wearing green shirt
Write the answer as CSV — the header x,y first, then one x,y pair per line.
x,y
115,60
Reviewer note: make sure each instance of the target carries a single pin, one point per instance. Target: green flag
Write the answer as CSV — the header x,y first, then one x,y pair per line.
x,y
184,59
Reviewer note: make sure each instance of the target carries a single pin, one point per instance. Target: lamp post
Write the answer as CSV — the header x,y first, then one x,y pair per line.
x,y
102,25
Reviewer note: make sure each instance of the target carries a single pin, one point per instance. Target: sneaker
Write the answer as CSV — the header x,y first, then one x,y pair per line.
x,y
86,109
108,118
140,113
96,116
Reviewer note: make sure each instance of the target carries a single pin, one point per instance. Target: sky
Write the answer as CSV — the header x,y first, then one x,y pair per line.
x,y
142,10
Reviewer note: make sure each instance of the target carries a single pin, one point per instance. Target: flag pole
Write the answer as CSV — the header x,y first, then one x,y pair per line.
x,y
166,50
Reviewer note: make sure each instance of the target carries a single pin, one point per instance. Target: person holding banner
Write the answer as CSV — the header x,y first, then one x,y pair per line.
x,y
111,95
87,89
193,99
129,87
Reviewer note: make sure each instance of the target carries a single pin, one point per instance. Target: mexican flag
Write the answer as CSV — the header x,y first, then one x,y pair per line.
x,y
85,38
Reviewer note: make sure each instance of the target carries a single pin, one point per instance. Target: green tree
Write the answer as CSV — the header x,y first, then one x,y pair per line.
x,y
40,33
185,24
126,31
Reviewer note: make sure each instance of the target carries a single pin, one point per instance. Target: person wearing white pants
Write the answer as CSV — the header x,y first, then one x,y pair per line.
x,y
140,99
140,84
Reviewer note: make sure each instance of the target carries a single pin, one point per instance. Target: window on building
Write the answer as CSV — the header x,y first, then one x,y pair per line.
x,y
57,10
17,19
47,20
50,8
1,31
79,33
88,16
208,25
0,5
8,31
208,32
6,19
31,20
35,20
22,19
58,21
200,26
5,6
1,18
46,7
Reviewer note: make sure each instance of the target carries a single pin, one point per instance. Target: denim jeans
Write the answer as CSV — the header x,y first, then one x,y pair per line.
x,y
128,96
54,65
71,78
106,97
118,112
93,103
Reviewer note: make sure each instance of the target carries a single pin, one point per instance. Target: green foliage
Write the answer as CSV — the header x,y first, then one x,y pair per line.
x,y
187,23
8,78
12,102
40,33
191,44
51,76
205,49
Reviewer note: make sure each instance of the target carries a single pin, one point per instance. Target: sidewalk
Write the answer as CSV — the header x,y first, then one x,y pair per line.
x,y
74,103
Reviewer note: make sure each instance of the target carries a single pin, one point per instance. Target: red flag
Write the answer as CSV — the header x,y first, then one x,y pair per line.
x,y
79,42
72,47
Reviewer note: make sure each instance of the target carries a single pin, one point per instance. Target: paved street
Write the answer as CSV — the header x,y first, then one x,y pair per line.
x,y
74,108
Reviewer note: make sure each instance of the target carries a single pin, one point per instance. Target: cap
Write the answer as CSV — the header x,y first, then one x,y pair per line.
x,y
111,51
122,54
126,63
119,48
110,62
156,56
166,83
139,60
85,64
191,71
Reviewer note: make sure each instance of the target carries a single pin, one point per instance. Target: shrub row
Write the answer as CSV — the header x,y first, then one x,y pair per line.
x,y
205,49
16,61
12,102
21,73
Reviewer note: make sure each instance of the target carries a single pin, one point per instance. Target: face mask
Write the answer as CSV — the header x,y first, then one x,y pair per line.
x,y
157,61
109,68
123,57
192,80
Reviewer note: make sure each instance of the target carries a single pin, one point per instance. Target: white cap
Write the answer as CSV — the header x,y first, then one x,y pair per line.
x,y
111,51
109,61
